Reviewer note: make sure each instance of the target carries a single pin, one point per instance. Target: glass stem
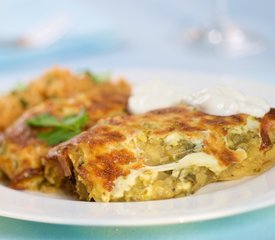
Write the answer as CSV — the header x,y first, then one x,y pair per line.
x,y
221,12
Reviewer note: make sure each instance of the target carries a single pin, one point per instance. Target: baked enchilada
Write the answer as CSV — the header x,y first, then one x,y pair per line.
x,y
164,153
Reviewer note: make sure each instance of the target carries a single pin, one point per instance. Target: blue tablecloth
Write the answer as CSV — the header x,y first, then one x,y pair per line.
x,y
139,34
254,225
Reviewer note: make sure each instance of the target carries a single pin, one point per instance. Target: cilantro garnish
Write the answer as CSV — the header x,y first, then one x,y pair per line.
x,y
60,129
19,87
99,77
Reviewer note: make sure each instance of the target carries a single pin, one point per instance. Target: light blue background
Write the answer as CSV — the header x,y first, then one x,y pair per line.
x,y
139,34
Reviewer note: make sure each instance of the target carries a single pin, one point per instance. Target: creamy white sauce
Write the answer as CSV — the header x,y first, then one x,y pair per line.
x,y
219,100
153,95
226,101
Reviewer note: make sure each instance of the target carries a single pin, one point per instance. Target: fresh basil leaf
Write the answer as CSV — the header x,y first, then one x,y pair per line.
x,y
75,121
19,87
43,120
58,135
62,129
98,77
101,77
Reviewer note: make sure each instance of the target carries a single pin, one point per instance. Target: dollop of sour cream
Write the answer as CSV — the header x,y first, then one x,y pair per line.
x,y
217,100
153,95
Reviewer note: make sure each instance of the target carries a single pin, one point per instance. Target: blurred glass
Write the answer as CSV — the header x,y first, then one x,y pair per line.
x,y
224,36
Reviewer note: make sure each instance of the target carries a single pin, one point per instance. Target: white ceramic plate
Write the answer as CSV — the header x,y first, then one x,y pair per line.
x,y
213,201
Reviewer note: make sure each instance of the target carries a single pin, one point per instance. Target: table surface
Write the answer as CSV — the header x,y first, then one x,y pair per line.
x,y
253,225
139,34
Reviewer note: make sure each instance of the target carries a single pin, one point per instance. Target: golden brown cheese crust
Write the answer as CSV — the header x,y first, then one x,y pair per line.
x,y
99,156
22,154
56,83
267,125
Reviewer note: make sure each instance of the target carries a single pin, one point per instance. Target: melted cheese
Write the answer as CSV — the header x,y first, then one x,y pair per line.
x,y
200,159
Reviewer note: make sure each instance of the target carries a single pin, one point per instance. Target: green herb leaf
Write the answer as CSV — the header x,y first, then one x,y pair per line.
x,y
75,121
99,77
62,129
44,120
19,87
57,135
